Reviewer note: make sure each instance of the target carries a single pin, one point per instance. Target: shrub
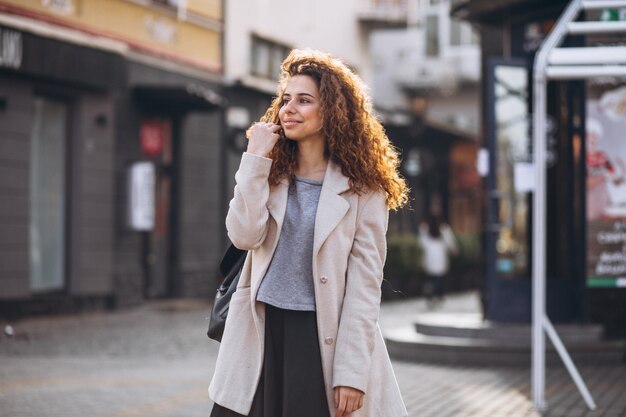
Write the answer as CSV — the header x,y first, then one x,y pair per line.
x,y
465,267
469,252
403,266
404,273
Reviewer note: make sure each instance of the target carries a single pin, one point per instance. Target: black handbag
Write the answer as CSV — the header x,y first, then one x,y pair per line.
x,y
230,268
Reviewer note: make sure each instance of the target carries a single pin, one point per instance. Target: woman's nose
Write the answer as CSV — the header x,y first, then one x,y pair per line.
x,y
288,107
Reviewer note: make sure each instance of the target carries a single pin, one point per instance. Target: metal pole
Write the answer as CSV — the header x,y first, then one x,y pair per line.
x,y
603,4
538,372
576,72
569,364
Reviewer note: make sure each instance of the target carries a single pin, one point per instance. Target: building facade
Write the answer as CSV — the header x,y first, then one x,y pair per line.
x,y
426,88
110,128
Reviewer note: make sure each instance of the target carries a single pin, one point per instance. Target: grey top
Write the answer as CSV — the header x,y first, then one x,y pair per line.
x,y
288,282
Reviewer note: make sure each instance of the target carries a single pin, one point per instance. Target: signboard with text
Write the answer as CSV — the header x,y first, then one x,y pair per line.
x,y
152,136
606,185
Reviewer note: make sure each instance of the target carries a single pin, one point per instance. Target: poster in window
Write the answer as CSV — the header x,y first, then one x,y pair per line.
x,y
606,185
141,196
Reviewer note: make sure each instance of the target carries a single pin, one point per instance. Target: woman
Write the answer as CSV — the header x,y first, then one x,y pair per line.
x,y
437,243
311,207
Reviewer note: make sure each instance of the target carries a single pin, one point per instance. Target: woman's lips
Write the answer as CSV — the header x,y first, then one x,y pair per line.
x,y
290,123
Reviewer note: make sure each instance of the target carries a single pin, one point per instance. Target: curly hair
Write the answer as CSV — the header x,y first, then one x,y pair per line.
x,y
355,139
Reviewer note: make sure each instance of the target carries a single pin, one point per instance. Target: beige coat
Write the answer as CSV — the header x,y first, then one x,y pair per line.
x,y
349,249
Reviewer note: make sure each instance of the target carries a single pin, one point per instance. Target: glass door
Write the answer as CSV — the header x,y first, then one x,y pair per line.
x,y
48,195
508,186
159,239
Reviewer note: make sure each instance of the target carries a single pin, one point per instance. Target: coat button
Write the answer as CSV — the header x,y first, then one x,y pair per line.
x,y
329,340
324,279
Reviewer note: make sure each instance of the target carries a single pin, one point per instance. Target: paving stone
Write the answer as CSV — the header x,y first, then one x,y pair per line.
x,y
156,361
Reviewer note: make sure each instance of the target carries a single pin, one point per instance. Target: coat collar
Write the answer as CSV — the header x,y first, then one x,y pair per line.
x,y
333,178
332,207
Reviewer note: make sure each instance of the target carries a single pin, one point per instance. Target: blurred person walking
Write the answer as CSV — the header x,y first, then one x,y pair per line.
x,y
438,243
311,204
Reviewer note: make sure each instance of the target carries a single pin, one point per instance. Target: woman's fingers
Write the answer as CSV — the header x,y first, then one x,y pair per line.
x,y
340,402
274,128
350,403
341,409
347,400
262,138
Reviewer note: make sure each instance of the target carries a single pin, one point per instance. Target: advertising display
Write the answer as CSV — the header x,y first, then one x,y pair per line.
x,y
606,185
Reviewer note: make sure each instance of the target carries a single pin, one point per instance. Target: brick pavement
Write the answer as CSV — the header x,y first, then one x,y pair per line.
x,y
445,391
156,361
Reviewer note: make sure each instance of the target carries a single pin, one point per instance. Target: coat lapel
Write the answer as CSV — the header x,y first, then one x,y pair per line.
x,y
277,203
332,207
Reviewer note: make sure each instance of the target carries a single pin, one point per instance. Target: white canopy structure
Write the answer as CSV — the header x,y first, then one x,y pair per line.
x,y
556,63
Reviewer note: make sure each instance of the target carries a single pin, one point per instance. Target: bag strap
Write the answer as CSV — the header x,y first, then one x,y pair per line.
x,y
232,256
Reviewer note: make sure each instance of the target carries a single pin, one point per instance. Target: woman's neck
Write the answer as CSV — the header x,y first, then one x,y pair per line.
x,y
311,160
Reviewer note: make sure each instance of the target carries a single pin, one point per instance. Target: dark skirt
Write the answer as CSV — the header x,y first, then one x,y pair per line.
x,y
292,383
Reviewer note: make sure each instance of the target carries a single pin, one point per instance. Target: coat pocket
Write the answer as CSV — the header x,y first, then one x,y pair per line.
x,y
239,312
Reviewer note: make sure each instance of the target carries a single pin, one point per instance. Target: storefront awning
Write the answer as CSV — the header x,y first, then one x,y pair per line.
x,y
189,97
488,11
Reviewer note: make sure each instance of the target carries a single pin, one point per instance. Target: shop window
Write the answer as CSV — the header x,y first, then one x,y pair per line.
x,y
47,195
267,57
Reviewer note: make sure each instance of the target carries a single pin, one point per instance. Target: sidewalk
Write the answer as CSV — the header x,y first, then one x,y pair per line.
x,y
444,391
156,361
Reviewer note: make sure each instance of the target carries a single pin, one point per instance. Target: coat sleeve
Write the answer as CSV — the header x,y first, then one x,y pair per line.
x,y
247,218
359,315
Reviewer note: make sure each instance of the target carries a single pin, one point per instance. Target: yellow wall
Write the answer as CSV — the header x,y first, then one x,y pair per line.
x,y
136,24
211,9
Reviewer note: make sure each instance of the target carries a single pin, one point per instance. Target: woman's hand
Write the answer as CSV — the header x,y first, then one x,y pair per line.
x,y
347,400
262,137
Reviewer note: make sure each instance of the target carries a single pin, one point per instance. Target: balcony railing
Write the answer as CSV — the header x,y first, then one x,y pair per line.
x,y
383,13
442,73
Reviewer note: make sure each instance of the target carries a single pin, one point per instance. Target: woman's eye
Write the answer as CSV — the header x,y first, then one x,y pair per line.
x,y
304,100
285,101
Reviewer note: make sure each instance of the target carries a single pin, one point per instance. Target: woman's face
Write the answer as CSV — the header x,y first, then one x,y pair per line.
x,y
300,114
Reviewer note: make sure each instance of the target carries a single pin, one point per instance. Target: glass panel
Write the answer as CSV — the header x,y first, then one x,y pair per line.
x,y
47,195
432,35
513,154
278,55
260,57
455,32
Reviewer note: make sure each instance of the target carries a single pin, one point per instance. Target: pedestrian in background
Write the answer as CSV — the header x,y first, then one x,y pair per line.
x,y
311,205
438,243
